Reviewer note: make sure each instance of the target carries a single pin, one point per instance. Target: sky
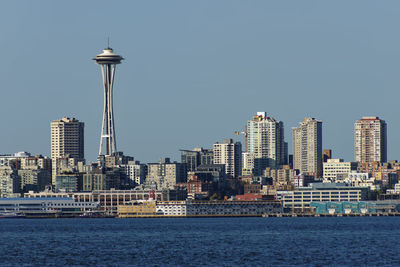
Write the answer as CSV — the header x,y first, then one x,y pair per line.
x,y
196,71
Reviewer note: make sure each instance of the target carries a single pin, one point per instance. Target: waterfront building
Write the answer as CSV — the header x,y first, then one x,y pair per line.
x,y
166,174
36,207
110,199
265,143
221,208
66,142
229,153
307,147
337,167
197,208
300,199
362,207
138,208
370,140
249,197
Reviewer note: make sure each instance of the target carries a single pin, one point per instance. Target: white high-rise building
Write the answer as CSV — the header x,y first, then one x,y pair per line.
x,y
229,153
307,147
265,141
370,140
66,141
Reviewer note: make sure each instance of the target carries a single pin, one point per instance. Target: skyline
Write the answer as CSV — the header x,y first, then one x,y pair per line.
x,y
181,69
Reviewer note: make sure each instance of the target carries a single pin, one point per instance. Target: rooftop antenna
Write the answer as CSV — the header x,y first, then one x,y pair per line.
x,y
108,42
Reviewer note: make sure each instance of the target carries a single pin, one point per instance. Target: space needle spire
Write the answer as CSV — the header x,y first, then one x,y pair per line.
x,y
108,62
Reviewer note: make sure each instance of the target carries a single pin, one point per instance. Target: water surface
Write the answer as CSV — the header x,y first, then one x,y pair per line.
x,y
201,241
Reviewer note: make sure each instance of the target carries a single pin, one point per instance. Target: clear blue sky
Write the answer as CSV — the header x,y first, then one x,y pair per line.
x,y
196,71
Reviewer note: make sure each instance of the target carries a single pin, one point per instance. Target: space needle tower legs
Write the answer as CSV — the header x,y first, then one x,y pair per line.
x,y
108,61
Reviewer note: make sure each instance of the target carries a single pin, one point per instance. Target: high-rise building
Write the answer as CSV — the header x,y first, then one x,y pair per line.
x,y
307,147
66,141
229,153
370,140
108,62
265,141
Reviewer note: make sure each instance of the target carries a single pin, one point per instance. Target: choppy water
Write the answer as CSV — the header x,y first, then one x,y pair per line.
x,y
201,242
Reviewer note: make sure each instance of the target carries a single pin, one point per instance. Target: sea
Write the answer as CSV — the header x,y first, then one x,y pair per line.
x,y
323,241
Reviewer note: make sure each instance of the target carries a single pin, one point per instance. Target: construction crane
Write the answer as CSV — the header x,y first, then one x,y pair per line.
x,y
245,133
245,137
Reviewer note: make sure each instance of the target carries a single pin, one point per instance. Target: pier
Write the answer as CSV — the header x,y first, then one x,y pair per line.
x,y
379,214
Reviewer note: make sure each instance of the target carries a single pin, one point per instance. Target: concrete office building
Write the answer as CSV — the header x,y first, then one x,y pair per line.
x,y
34,179
165,174
197,156
281,177
10,182
229,153
265,140
247,163
307,147
35,163
301,199
101,179
370,140
69,182
337,167
66,141
8,159
135,171
116,159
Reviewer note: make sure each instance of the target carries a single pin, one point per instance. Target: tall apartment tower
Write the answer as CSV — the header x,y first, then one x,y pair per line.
x,y
265,142
307,147
229,153
66,140
370,140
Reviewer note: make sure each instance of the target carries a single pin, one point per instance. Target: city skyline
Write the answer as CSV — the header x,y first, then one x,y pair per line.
x,y
334,71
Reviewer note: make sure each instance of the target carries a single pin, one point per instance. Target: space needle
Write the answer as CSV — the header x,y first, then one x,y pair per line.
x,y
108,61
